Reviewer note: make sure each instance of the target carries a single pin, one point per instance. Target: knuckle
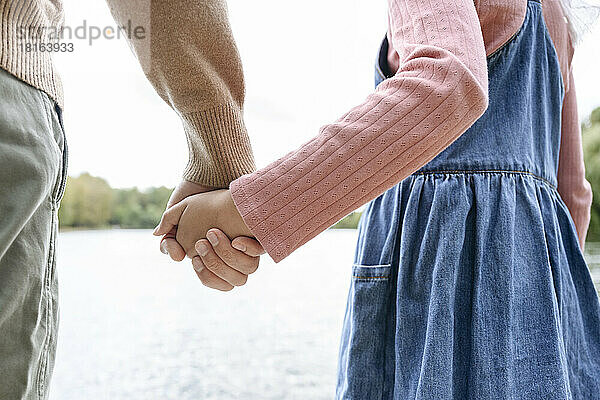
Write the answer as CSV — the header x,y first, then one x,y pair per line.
x,y
212,264
226,254
187,248
169,216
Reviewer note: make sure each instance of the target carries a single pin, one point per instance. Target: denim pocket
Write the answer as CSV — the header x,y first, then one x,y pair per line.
x,y
365,336
372,273
370,296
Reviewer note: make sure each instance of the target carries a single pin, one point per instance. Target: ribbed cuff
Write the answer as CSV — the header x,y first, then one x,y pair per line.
x,y
245,206
21,56
219,147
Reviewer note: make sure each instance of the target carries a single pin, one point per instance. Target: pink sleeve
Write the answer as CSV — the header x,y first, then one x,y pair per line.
x,y
438,92
574,189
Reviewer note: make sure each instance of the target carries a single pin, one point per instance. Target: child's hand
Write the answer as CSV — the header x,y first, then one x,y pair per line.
x,y
195,215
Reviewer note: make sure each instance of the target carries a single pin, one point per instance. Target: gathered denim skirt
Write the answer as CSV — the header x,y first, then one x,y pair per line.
x,y
468,280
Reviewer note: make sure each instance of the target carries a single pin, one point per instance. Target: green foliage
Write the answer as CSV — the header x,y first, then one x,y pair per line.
x,y
594,118
135,209
591,152
350,221
89,202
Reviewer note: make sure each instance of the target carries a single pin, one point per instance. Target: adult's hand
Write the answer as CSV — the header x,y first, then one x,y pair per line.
x,y
168,244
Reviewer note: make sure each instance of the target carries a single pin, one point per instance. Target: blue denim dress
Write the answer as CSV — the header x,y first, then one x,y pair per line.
x,y
469,282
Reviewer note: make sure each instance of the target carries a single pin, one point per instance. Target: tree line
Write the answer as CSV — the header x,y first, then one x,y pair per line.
x,y
90,202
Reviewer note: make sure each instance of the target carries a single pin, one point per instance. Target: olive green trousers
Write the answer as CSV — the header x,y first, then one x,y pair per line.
x,y
33,162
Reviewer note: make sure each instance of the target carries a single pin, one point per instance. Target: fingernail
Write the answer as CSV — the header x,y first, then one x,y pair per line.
x,y
202,249
238,246
212,238
197,264
163,247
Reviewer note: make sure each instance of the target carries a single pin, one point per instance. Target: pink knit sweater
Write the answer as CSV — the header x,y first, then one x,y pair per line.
x,y
438,51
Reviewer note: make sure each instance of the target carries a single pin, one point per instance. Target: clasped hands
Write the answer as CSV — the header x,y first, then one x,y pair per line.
x,y
199,222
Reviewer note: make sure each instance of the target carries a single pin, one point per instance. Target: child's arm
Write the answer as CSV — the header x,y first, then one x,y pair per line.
x,y
574,189
438,92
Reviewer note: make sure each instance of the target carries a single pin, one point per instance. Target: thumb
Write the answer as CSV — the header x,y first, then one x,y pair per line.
x,y
170,219
251,247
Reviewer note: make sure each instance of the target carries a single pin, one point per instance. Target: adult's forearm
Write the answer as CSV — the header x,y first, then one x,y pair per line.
x,y
189,56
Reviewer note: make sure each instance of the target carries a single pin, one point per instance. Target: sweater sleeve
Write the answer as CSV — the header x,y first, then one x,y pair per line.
x,y
189,56
573,188
438,92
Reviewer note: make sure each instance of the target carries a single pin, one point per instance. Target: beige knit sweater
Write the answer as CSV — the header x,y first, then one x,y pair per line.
x,y
188,54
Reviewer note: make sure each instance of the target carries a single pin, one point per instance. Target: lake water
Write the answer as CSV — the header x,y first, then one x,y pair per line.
x,y
136,326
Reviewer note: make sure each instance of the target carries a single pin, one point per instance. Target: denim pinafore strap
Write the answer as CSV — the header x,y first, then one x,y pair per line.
x,y
468,280
520,131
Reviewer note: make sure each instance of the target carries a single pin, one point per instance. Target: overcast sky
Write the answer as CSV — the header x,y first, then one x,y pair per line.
x,y
306,63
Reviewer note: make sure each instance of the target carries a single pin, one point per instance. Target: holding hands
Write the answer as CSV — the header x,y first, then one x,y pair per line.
x,y
187,227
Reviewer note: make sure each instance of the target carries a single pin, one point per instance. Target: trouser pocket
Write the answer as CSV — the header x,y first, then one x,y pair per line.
x,y
32,172
57,131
